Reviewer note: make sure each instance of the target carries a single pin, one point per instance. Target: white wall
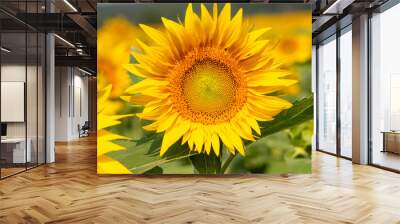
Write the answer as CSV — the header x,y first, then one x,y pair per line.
x,y
15,73
80,110
61,103
13,101
33,126
71,94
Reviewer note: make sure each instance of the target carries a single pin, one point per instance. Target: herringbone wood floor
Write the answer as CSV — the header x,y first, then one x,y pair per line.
x,y
69,191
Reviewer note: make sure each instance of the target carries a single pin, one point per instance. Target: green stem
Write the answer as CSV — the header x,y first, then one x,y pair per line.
x,y
227,162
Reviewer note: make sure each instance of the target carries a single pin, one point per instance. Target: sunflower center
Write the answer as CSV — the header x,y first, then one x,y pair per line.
x,y
207,86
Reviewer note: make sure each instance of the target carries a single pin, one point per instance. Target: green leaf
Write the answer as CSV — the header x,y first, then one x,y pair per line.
x,y
156,144
206,164
154,170
146,156
301,111
147,137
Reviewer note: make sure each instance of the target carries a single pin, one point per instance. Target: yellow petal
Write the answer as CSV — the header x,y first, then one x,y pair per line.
x,y
270,101
156,53
192,22
254,35
145,84
254,49
225,137
137,70
262,90
235,28
272,82
198,136
253,123
207,145
104,121
214,30
151,127
138,99
215,143
242,128
176,34
215,12
150,87
156,113
266,75
105,144
260,113
173,134
235,139
151,64
154,34
206,21
185,137
106,165
223,23
167,121
153,105
190,142
103,97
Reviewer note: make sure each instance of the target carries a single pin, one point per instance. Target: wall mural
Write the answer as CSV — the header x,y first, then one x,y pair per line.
x,y
204,88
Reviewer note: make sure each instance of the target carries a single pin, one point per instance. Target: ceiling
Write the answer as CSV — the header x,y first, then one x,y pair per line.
x,y
75,21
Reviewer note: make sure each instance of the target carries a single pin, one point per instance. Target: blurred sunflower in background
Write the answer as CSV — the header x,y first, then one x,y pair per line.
x,y
105,164
206,80
281,24
290,32
294,49
115,40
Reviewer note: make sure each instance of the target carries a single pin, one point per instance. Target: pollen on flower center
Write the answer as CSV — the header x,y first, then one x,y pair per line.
x,y
208,86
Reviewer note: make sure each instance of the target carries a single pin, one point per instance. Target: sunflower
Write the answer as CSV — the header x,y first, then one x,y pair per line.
x,y
294,49
295,89
115,39
206,81
106,164
292,36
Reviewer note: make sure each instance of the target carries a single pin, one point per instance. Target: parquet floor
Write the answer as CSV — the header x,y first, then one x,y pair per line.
x,y
10,171
69,191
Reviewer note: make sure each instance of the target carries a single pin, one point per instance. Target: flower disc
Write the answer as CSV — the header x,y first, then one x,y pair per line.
x,y
207,87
